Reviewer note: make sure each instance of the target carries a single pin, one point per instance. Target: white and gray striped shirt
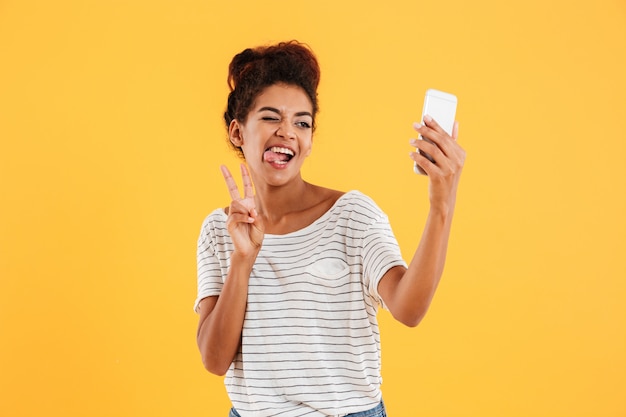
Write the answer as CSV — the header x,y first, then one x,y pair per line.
x,y
310,340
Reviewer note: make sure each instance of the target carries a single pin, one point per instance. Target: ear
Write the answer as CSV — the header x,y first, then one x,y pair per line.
x,y
234,133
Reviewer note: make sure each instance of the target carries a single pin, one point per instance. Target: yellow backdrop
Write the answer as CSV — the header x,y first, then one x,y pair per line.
x,y
111,139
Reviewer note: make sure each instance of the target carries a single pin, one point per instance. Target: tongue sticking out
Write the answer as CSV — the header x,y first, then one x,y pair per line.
x,y
270,156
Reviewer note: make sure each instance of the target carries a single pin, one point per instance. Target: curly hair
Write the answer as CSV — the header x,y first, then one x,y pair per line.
x,y
254,69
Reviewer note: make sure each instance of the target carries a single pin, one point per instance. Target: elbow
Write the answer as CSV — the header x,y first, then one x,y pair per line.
x,y
410,312
215,366
213,360
216,359
412,322
218,371
410,318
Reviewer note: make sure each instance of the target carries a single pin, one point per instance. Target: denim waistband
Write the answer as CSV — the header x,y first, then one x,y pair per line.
x,y
378,411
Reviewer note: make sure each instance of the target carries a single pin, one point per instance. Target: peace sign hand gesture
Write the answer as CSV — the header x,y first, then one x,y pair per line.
x,y
244,223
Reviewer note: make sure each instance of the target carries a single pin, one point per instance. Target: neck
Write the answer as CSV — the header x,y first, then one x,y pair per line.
x,y
274,202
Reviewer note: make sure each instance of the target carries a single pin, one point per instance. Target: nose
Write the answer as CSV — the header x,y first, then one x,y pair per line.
x,y
286,130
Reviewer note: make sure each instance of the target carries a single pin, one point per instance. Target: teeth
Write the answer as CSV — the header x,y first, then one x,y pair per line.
x,y
277,149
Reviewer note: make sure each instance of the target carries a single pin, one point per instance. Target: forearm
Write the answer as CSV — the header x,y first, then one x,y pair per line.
x,y
413,291
219,334
426,267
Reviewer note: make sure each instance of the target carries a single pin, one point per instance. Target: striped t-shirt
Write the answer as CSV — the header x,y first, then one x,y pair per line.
x,y
310,340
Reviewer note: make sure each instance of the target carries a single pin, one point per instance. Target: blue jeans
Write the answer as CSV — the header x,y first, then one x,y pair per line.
x,y
378,411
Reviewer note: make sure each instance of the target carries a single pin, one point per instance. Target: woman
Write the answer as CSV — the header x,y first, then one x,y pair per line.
x,y
291,274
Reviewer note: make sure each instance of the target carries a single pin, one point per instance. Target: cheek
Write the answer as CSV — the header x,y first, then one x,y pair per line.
x,y
307,152
248,152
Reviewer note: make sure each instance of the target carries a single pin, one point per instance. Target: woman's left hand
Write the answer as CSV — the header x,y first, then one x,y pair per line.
x,y
449,157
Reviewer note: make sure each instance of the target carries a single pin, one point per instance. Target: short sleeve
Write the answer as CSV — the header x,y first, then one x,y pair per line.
x,y
210,281
381,252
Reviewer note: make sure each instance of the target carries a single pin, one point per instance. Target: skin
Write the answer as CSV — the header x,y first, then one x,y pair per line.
x,y
277,200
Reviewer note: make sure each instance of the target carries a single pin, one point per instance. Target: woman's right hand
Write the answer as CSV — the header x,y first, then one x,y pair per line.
x,y
244,223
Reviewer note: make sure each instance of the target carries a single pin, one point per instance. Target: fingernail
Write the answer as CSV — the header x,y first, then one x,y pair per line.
x,y
417,125
427,118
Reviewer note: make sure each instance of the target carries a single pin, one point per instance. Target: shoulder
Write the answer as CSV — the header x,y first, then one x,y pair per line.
x,y
214,223
214,236
357,201
216,216
358,211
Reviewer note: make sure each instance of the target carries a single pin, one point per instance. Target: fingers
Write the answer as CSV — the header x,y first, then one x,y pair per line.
x,y
231,184
432,123
447,155
445,162
427,167
233,190
248,188
429,157
433,132
238,213
427,149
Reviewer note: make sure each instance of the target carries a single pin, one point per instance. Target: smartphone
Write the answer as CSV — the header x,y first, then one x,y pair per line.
x,y
440,106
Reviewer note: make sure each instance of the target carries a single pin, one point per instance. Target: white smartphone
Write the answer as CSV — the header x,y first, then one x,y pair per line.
x,y
440,106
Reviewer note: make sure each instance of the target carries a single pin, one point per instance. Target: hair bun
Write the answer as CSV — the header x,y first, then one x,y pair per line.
x,y
239,66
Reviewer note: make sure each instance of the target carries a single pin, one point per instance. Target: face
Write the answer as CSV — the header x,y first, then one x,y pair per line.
x,y
277,135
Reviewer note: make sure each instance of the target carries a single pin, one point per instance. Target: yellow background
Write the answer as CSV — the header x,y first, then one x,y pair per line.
x,y
111,138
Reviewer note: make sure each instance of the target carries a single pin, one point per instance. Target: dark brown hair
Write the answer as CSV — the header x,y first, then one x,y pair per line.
x,y
254,69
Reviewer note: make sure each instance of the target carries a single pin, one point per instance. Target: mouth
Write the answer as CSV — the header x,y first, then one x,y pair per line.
x,y
278,156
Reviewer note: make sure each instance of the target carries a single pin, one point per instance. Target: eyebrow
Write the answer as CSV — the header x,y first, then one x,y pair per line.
x,y
272,109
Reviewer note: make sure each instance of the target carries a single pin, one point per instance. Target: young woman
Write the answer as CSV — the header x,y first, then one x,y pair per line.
x,y
290,274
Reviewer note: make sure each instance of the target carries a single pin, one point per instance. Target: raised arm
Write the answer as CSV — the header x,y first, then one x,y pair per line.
x,y
409,292
221,317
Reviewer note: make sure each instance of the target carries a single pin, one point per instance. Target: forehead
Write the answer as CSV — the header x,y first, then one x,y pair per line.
x,y
284,97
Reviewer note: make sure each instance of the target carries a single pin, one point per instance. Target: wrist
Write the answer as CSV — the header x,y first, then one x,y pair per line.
x,y
441,212
443,205
243,259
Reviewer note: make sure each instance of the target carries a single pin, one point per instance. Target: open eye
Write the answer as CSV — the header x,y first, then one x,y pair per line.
x,y
303,124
